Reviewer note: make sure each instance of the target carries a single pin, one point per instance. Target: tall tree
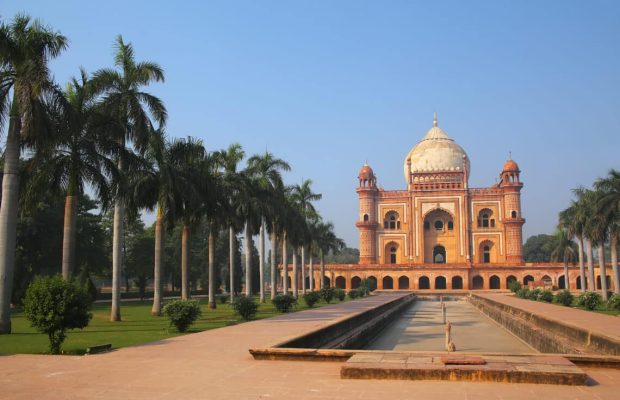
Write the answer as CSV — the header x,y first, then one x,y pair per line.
x,y
134,110
609,206
563,250
586,200
26,47
573,220
328,242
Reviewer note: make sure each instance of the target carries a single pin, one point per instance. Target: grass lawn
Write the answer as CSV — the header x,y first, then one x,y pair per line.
x,y
137,327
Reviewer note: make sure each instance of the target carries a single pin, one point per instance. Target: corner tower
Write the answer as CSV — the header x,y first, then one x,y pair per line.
x,y
513,220
367,222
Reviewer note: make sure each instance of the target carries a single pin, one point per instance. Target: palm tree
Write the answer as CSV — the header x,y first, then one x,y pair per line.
x,y
26,47
304,196
229,160
596,231
573,220
583,213
563,250
609,205
133,108
328,241
267,169
77,155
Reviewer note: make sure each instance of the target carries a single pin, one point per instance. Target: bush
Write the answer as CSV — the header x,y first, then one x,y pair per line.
x,y
546,296
564,298
369,284
523,293
311,298
362,291
340,294
533,294
182,313
223,298
327,294
614,302
514,286
284,302
245,307
53,305
353,294
589,300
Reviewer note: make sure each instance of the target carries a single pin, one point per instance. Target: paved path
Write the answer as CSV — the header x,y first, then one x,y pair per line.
x,y
216,365
604,324
421,328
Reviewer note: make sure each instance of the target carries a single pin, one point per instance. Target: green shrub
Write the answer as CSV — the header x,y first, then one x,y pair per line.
x,y
589,300
245,307
362,291
53,305
533,294
523,293
514,286
311,298
182,313
340,294
353,294
564,298
223,298
546,296
369,284
614,302
327,294
284,302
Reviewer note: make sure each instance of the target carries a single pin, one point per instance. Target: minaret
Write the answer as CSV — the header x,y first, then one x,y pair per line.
x,y
367,222
513,220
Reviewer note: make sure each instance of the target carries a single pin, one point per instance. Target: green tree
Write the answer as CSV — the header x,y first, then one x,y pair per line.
x,y
609,206
563,249
538,248
26,47
132,108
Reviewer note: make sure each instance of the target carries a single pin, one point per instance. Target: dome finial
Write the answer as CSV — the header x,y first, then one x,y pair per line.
x,y
435,119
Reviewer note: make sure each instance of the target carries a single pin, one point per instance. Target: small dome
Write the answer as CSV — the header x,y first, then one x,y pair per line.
x,y
366,172
511,166
436,152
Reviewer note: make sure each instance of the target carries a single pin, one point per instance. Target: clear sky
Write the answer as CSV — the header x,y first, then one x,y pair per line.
x,y
328,85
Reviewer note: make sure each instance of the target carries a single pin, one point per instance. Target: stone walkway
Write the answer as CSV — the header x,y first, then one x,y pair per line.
x,y
216,365
608,325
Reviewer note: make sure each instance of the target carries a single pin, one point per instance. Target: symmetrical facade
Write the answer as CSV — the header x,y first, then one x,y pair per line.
x,y
439,219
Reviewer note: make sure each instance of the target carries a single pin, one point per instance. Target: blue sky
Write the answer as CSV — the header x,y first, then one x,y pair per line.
x,y
328,85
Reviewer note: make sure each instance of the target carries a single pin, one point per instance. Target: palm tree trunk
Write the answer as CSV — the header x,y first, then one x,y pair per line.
x,y
274,276
566,281
311,273
211,270
117,259
8,221
295,274
613,242
159,253
185,263
303,269
322,270
261,260
284,265
248,259
68,237
231,262
582,273
590,256
602,271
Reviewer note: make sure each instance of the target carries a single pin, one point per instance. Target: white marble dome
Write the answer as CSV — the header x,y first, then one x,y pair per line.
x,y
436,152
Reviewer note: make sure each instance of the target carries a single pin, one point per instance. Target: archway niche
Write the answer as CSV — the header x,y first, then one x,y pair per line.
x,y
494,282
440,282
510,278
527,279
477,282
561,284
403,282
341,283
388,282
457,282
327,282
355,282
424,283
439,254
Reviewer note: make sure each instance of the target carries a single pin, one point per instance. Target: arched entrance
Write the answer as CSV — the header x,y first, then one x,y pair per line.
x,y
373,282
579,282
424,283
457,282
355,282
561,284
527,279
510,278
391,253
486,252
403,282
388,282
477,282
341,283
327,282
440,282
494,282
439,255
